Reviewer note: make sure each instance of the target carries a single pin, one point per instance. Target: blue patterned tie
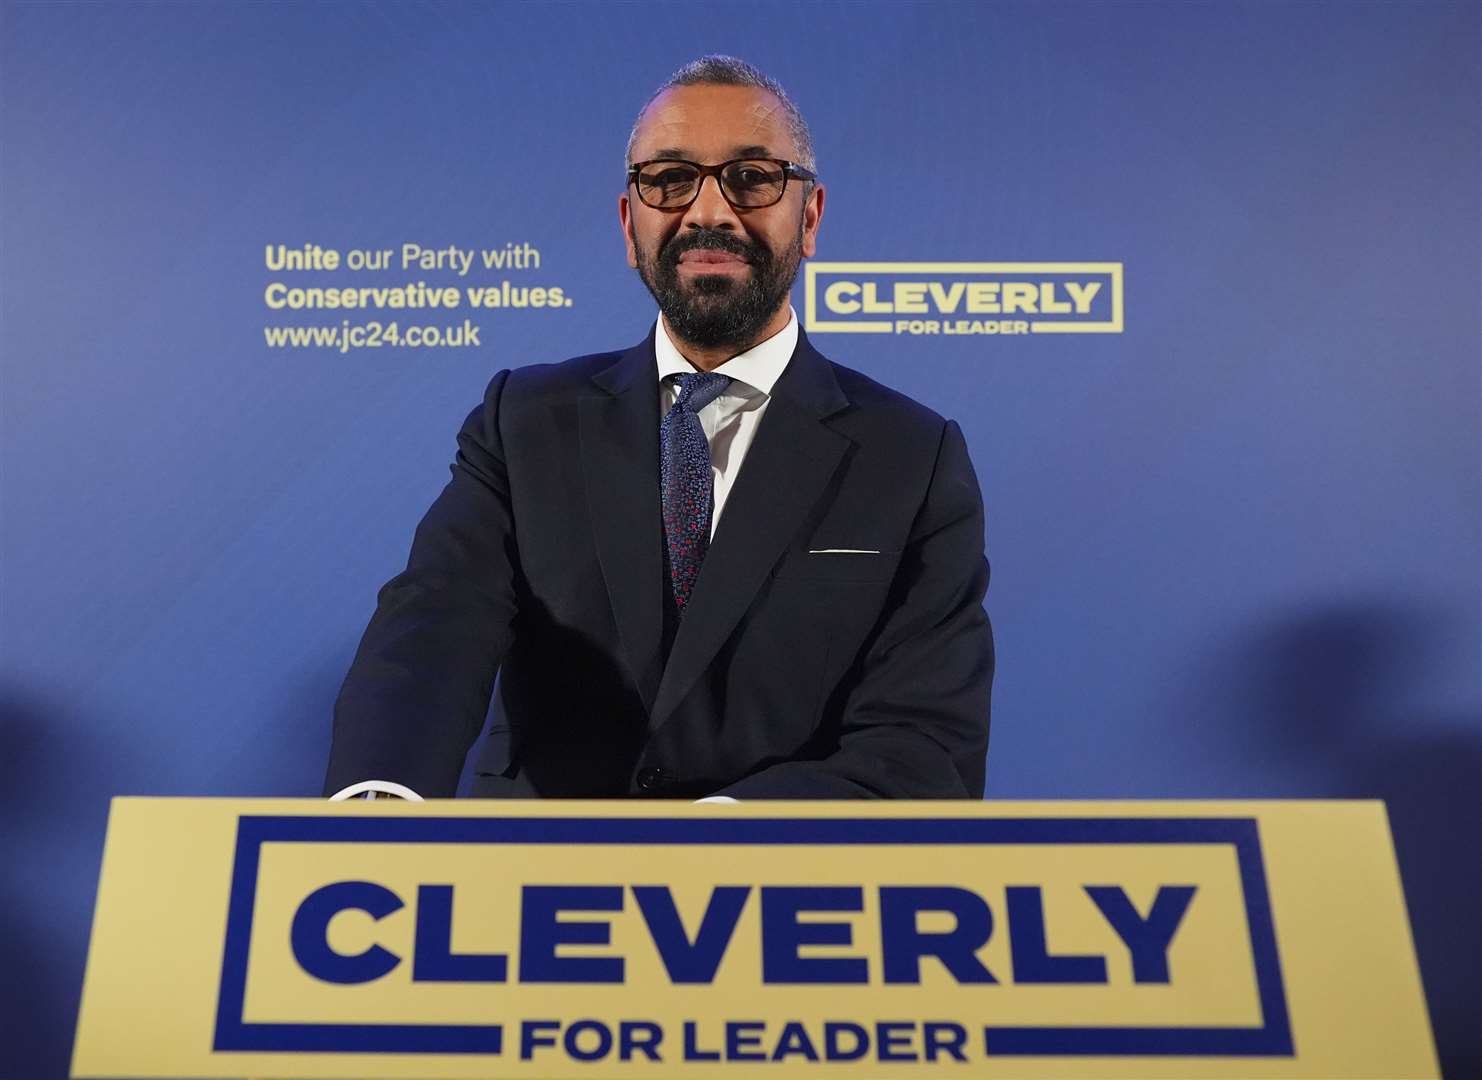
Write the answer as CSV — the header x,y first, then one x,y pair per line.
x,y
685,481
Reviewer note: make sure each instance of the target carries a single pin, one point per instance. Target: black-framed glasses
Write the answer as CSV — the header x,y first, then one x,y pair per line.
x,y
746,183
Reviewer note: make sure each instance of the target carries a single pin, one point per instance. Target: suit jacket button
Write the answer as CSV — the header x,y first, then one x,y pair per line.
x,y
648,779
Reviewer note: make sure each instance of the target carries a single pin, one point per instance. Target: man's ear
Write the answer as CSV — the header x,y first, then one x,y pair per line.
x,y
812,215
625,217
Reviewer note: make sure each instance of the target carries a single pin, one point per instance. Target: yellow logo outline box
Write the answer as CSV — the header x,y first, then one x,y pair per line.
x,y
1272,1039
813,324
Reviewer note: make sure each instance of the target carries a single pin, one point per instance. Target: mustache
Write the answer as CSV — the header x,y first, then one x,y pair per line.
x,y
711,241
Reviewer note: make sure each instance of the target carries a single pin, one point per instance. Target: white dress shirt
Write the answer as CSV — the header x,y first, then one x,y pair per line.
x,y
729,422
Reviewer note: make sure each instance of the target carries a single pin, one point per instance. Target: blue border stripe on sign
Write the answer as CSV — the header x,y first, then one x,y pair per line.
x,y
1272,1038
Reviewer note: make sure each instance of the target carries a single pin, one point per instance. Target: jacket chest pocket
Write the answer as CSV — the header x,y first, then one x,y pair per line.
x,y
838,564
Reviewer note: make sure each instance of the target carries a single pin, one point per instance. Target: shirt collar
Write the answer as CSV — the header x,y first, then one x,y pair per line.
x,y
759,367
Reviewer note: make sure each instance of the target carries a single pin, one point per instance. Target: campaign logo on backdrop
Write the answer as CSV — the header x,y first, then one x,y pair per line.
x,y
963,298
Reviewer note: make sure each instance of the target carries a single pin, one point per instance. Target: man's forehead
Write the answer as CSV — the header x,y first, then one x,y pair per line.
x,y
705,121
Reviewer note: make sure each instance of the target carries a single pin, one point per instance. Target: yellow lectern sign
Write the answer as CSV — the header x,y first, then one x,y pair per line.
x,y
553,940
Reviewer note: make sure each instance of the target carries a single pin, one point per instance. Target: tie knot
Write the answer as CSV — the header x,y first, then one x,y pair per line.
x,y
698,389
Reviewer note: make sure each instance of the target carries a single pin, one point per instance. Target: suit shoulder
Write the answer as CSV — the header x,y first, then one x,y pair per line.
x,y
512,391
541,381
885,403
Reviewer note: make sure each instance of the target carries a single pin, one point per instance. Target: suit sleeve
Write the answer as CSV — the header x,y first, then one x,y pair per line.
x,y
418,689
915,721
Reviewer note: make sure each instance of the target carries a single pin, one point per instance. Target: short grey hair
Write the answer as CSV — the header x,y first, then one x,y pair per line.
x,y
717,69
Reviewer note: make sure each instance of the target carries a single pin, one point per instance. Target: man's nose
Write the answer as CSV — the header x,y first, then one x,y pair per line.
x,y
710,209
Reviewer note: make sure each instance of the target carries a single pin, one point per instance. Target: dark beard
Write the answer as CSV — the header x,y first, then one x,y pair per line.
x,y
717,310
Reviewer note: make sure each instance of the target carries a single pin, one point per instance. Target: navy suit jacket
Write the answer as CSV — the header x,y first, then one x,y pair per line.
x,y
796,672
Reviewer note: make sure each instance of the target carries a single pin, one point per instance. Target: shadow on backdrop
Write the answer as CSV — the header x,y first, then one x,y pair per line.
x,y
288,751
54,827
1327,691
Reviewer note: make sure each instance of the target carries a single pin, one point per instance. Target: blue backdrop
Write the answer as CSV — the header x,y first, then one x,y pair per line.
x,y
1235,546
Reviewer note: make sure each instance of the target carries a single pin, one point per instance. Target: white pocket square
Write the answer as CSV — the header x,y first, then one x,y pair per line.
x,y
843,551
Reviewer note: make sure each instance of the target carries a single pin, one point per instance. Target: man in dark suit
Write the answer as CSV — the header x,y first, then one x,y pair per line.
x,y
668,623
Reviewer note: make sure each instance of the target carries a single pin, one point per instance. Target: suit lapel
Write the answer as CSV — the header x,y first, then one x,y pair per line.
x,y
791,459
620,467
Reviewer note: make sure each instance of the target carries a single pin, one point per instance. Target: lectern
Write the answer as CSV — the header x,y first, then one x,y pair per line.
x,y
286,938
